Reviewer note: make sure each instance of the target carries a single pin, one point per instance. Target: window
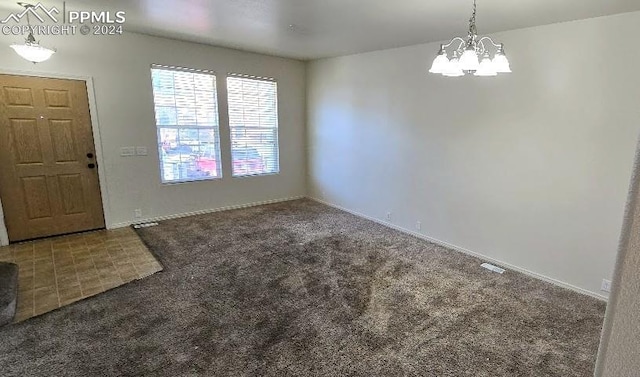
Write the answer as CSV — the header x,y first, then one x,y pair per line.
x,y
186,107
253,120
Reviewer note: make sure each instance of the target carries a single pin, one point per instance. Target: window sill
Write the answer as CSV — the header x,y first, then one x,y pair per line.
x,y
191,181
254,175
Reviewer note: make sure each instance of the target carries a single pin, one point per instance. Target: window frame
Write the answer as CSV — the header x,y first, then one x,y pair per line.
x,y
217,142
276,130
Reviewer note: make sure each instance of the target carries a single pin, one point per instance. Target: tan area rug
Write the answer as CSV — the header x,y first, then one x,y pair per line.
x,y
59,271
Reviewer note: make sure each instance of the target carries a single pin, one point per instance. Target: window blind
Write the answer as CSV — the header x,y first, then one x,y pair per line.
x,y
186,108
253,121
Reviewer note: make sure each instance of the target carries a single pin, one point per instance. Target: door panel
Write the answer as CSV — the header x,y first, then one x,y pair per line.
x,y
26,141
73,198
18,96
46,185
36,194
62,139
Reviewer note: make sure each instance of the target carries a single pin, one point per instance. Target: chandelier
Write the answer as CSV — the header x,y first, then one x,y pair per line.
x,y
472,56
30,49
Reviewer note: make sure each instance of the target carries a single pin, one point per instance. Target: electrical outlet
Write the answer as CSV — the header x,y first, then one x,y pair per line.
x,y
137,213
606,285
127,151
388,217
418,225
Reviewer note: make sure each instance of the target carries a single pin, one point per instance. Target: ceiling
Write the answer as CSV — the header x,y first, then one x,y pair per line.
x,y
311,29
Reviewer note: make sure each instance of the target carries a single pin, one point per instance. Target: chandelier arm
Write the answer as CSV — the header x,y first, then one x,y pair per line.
x,y
452,42
481,47
490,40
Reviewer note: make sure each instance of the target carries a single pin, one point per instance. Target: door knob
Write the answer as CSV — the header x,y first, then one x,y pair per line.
x,y
91,166
89,155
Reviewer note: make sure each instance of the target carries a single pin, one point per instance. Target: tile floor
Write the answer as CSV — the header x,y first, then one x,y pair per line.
x,y
58,271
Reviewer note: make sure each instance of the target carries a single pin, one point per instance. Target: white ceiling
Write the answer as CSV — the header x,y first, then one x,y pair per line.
x,y
310,29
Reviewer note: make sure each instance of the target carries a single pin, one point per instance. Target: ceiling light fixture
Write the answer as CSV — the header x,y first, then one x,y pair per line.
x,y
472,55
30,49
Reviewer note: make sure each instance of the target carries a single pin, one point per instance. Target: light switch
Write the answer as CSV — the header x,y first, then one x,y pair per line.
x,y
141,151
127,151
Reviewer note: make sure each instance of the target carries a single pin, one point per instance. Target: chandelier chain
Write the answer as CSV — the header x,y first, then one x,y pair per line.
x,y
473,31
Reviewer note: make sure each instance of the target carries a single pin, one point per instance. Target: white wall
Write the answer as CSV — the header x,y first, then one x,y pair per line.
x,y
120,68
531,168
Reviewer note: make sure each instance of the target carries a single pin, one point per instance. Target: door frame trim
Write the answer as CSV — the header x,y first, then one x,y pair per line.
x,y
97,141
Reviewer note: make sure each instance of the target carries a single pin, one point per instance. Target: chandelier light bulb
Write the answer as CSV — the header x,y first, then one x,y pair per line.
x,y
453,68
440,63
469,60
486,68
33,52
501,63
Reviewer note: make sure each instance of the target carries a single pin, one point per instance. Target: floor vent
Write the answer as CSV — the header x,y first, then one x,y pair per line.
x,y
145,225
493,268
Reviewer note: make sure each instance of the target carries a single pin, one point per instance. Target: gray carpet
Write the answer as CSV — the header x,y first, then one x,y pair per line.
x,y
301,289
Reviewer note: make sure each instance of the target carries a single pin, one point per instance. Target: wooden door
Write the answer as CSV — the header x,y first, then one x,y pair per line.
x,y
48,175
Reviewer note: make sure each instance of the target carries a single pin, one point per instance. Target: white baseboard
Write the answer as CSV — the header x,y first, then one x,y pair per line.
x,y
469,252
202,212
